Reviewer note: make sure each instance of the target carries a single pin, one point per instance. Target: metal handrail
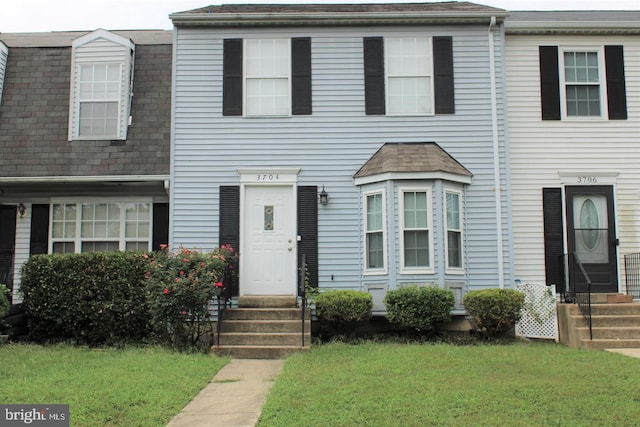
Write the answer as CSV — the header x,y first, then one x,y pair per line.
x,y
302,291
223,300
582,295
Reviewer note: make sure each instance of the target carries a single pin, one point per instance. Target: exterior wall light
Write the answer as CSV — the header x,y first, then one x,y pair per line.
x,y
22,210
324,197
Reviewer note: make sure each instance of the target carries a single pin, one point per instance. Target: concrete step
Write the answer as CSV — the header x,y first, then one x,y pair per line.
x,y
263,326
615,320
266,314
257,352
612,333
609,343
615,309
610,298
288,339
267,301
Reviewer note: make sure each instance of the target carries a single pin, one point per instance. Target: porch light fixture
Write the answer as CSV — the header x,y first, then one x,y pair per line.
x,y
22,210
324,197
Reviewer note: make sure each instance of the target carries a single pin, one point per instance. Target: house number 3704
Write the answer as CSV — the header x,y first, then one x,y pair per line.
x,y
267,177
586,179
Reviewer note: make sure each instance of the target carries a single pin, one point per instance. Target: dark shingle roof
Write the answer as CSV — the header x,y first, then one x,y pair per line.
x,y
336,14
411,157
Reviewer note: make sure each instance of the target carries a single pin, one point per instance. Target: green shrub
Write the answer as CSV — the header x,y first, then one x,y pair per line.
x,y
4,300
182,285
340,312
419,309
90,298
494,311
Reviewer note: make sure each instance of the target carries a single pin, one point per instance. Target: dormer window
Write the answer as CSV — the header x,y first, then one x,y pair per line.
x,y
4,53
102,64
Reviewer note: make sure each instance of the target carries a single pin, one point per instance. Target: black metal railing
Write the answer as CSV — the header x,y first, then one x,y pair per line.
x,y
632,274
223,301
302,292
579,288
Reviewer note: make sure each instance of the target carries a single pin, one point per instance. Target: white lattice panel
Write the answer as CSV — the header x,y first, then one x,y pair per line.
x,y
539,316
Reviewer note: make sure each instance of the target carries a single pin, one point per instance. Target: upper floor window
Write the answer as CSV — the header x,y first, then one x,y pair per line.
x,y
375,232
453,230
582,83
267,77
101,80
416,236
104,226
408,75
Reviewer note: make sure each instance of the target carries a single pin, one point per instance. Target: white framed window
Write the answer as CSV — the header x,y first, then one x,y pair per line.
x,y
4,54
416,225
375,232
101,86
583,82
453,229
409,76
87,226
267,77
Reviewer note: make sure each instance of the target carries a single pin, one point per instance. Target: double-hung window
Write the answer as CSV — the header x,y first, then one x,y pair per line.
x,y
266,77
453,205
408,75
4,54
416,240
582,83
375,232
101,86
101,226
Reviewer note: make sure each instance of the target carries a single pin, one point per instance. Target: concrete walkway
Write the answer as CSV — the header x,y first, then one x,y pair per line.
x,y
632,352
233,398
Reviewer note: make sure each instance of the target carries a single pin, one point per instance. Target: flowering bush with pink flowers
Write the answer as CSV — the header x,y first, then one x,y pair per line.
x,y
182,285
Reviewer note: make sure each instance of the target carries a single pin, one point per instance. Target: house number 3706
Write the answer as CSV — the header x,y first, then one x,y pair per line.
x,y
267,177
586,179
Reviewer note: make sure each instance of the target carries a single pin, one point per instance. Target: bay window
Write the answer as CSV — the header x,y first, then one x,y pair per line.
x,y
415,230
375,232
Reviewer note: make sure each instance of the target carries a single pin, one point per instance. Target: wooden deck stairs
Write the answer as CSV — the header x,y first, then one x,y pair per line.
x,y
264,327
615,323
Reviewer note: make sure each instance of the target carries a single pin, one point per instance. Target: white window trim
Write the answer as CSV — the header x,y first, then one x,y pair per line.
x,y
384,270
604,113
459,192
245,77
416,270
430,75
126,63
77,240
4,57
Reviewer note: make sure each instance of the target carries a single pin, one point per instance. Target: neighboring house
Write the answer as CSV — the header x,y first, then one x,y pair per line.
x,y
84,143
394,112
574,135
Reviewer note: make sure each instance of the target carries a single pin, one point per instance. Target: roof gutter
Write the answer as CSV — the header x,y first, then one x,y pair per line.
x,y
328,18
571,27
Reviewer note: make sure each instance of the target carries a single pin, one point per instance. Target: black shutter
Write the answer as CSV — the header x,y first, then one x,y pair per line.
x,y
374,75
616,90
301,75
553,238
39,243
160,225
549,83
443,75
7,243
232,78
230,225
308,231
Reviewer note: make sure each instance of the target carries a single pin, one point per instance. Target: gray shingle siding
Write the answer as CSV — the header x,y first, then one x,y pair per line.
x,y
35,110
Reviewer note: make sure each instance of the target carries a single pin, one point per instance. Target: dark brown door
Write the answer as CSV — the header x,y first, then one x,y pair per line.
x,y
591,234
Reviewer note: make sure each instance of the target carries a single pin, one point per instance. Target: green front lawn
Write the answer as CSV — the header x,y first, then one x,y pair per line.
x,y
106,387
534,384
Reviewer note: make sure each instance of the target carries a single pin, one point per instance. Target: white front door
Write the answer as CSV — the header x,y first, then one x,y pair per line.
x,y
268,258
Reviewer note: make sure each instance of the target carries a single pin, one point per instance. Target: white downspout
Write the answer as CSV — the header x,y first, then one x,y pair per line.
x,y
496,153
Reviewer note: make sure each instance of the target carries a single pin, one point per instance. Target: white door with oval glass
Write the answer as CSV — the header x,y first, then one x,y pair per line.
x,y
268,258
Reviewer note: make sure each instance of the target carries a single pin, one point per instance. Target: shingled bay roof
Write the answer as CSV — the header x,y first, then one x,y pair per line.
x,y
417,157
336,14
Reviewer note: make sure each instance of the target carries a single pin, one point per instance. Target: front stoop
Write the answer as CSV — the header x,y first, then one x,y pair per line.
x,y
614,325
263,332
